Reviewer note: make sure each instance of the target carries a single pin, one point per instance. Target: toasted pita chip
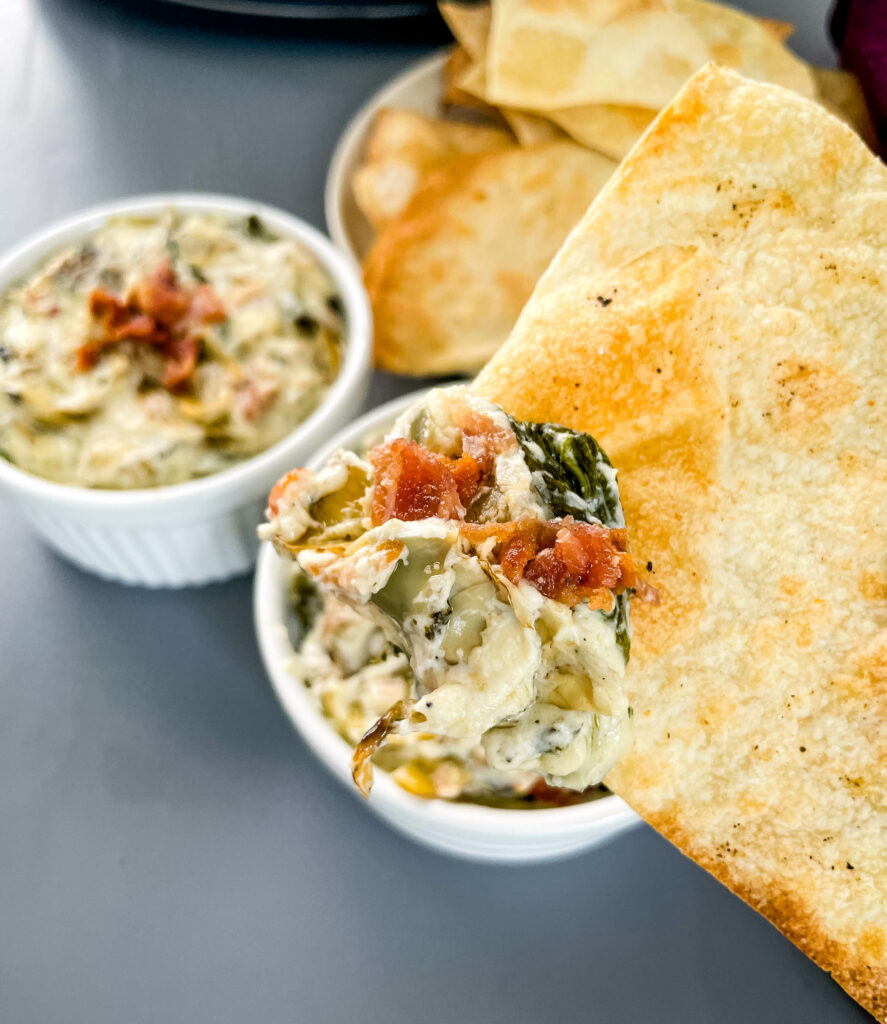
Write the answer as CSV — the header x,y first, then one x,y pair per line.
x,y
529,129
613,129
409,135
448,278
747,45
403,148
470,24
544,57
841,93
456,66
780,30
608,128
717,320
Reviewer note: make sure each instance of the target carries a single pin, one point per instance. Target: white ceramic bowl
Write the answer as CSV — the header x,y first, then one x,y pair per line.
x,y
202,530
465,830
418,88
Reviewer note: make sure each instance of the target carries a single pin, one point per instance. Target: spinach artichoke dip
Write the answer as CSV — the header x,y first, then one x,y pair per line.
x,y
163,348
493,554
354,674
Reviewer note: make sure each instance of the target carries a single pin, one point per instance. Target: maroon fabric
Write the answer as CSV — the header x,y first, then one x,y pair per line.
x,y
859,30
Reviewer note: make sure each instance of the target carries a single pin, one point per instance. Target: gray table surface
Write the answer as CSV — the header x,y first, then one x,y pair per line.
x,y
169,850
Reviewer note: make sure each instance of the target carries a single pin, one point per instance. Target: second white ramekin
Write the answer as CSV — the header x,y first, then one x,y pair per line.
x,y
202,530
465,830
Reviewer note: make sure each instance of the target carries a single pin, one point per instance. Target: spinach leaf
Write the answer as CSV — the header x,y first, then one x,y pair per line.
x,y
255,228
619,617
571,473
305,604
573,476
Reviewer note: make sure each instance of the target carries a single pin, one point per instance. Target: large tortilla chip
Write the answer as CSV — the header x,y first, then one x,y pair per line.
x,y
448,278
544,56
718,321
404,146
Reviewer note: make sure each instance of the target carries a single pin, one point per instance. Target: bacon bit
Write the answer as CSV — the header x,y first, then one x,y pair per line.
x,y
563,559
279,489
181,360
646,593
586,561
161,297
206,306
415,483
482,439
253,399
159,312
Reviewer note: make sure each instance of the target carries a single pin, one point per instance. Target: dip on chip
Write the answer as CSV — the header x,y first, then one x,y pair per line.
x,y
718,321
493,553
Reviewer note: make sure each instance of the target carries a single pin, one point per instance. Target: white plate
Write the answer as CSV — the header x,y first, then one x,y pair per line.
x,y
418,88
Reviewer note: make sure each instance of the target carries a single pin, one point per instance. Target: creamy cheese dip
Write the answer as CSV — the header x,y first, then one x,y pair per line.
x,y
457,537
354,674
161,348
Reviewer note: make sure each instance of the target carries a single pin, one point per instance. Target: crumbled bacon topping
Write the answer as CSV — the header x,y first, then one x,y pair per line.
x,y
415,483
482,439
159,312
280,488
565,560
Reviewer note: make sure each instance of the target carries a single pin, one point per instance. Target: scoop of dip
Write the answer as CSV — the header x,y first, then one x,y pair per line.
x,y
494,554
163,348
353,674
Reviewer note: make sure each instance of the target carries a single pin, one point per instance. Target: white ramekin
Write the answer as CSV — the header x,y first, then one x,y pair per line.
x,y
202,530
464,830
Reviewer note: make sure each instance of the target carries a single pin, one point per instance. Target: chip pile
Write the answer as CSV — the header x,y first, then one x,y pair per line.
x,y
539,103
